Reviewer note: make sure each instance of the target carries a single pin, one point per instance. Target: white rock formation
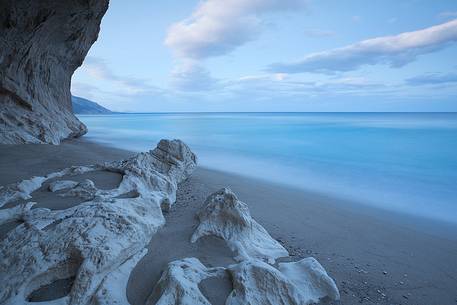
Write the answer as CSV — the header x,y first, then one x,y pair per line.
x,y
62,185
23,189
113,289
85,190
228,218
18,212
42,43
300,283
141,174
254,283
95,239
311,278
178,284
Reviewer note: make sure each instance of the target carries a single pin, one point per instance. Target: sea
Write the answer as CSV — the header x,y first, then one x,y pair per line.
x,y
404,162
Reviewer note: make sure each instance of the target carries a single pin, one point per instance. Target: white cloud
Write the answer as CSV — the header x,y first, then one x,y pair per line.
x,y
96,81
217,27
191,76
98,69
270,86
433,79
395,51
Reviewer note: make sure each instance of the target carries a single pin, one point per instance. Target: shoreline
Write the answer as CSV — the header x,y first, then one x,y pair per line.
x,y
367,251
425,225
87,151
373,201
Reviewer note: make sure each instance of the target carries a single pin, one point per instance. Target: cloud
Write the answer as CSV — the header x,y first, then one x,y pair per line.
x,y
98,69
217,27
395,51
433,79
272,87
191,76
96,81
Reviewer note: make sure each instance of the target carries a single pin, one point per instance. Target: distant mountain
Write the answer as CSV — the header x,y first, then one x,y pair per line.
x,y
84,106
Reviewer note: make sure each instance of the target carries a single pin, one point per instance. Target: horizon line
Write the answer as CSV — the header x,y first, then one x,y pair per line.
x,y
212,112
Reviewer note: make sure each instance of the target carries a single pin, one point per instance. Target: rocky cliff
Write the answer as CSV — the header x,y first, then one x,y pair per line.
x,y
41,44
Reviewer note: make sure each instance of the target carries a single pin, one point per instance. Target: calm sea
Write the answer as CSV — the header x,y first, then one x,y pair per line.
x,y
398,161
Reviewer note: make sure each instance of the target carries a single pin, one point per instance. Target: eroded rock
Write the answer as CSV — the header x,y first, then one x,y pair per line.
x,y
96,238
23,189
62,185
228,218
113,289
254,283
42,43
85,190
178,284
300,283
15,213
311,278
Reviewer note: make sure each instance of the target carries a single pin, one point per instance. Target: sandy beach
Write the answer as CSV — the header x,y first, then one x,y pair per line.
x,y
375,256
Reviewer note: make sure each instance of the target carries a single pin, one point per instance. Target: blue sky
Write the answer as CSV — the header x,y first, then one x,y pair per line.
x,y
274,55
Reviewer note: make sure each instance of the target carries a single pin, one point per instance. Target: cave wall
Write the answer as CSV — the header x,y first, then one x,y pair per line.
x,y
42,43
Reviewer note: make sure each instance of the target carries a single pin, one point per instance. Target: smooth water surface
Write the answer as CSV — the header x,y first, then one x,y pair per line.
x,y
399,161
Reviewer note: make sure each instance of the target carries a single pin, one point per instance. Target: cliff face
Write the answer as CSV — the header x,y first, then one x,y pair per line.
x,y
41,44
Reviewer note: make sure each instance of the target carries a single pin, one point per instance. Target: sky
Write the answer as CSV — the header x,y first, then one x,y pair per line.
x,y
273,55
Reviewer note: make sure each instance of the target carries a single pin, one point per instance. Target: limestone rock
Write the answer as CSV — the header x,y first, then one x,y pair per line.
x,y
300,283
178,284
94,240
23,189
85,190
311,278
254,283
228,218
41,44
62,185
168,159
15,213
113,290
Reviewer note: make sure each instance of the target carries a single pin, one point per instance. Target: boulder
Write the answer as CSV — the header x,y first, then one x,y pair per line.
x,y
299,283
226,217
178,284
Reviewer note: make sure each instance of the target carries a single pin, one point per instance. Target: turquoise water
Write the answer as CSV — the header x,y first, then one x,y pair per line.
x,y
397,161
